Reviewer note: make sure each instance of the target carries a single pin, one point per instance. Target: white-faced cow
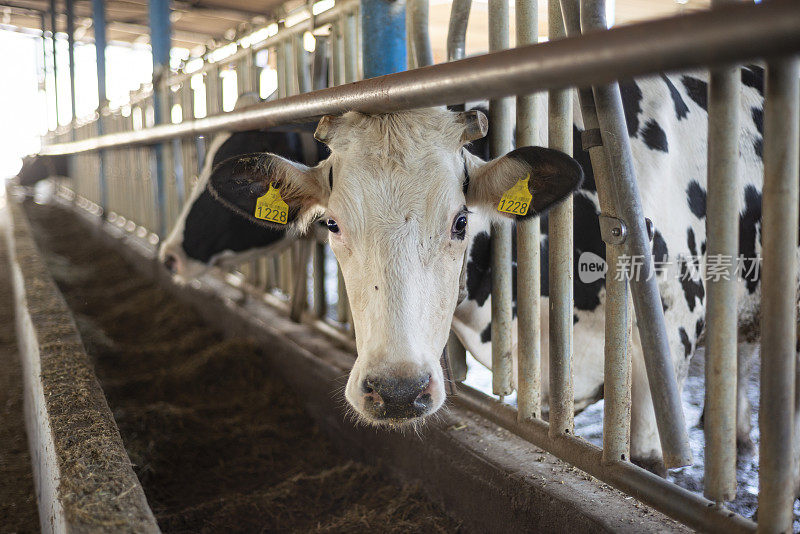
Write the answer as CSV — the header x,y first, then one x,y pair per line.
x,y
403,199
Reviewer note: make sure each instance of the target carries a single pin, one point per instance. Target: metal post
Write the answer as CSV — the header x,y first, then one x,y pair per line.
x,y
383,23
722,234
500,143
43,84
457,29
351,48
418,15
319,79
160,36
618,322
778,297
649,313
320,302
99,22
55,55
70,6
301,66
562,397
289,67
529,350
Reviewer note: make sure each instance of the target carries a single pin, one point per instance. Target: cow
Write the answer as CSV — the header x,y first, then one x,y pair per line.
x,y
394,182
37,167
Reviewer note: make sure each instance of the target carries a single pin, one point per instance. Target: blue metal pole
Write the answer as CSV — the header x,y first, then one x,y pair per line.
x,y
160,37
71,50
383,37
99,21
55,60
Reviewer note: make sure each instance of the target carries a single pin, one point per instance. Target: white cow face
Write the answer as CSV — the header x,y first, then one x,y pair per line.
x,y
397,193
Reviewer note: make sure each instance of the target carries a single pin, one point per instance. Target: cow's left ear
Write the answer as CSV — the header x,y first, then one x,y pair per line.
x,y
551,177
271,190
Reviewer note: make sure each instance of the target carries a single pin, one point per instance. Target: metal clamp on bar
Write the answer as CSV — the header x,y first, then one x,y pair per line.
x,y
591,138
612,230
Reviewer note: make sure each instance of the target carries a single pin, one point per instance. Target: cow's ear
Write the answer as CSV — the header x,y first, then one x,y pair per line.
x,y
548,175
242,183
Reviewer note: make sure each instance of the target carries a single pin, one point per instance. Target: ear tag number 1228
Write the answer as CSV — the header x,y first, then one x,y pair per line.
x,y
516,200
271,207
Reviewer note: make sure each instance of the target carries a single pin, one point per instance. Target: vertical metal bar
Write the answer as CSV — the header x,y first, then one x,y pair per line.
x,y
99,23
320,301
55,56
418,15
559,134
43,84
529,401
301,65
500,143
289,66
213,93
338,53
351,48
70,7
722,234
778,295
160,37
618,321
383,22
457,29
649,312
321,72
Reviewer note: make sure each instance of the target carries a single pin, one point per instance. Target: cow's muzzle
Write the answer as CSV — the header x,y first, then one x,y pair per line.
x,y
397,399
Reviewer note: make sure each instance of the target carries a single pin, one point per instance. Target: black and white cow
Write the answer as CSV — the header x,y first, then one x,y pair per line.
x,y
402,198
37,167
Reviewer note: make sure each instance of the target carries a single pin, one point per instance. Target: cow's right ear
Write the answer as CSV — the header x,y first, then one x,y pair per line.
x,y
239,182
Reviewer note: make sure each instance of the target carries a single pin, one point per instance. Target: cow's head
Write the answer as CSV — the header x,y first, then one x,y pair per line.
x,y
397,193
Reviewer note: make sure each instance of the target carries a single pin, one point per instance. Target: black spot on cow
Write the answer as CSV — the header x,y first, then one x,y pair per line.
x,y
703,247
753,76
758,118
687,345
748,221
654,136
586,238
486,334
681,109
215,228
660,254
698,327
479,275
691,242
758,146
574,319
697,90
696,197
664,305
632,105
692,287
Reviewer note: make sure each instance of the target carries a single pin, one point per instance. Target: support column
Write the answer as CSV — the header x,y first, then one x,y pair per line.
x,y
71,49
99,22
160,35
55,55
383,25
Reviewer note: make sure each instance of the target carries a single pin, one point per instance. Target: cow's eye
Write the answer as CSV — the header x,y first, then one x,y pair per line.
x,y
332,226
459,229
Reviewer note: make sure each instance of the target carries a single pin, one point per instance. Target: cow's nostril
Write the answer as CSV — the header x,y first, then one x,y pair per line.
x,y
171,263
397,398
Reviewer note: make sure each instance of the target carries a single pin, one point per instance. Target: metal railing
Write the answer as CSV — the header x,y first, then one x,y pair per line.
x,y
592,62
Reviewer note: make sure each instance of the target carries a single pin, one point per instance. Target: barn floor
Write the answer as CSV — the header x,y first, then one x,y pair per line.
x,y
217,443
18,512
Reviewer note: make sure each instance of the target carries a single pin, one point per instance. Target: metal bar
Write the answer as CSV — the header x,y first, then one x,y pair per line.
x,y
160,36
647,302
736,33
99,23
301,66
338,53
55,56
418,14
778,296
562,397
722,234
43,84
321,69
70,8
529,350
678,503
457,29
618,321
384,22
289,67
351,47
299,300
500,143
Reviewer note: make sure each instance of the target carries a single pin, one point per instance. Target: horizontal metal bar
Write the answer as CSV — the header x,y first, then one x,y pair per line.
x,y
734,34
678,503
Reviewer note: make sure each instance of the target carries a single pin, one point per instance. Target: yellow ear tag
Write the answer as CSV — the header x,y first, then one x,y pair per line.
x,y
516,200
271,207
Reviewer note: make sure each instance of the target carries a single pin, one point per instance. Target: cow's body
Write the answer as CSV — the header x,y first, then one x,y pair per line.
x,y
667,122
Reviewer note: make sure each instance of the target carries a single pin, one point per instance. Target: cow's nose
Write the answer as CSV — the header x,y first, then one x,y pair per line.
x,y
171,263
397,398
